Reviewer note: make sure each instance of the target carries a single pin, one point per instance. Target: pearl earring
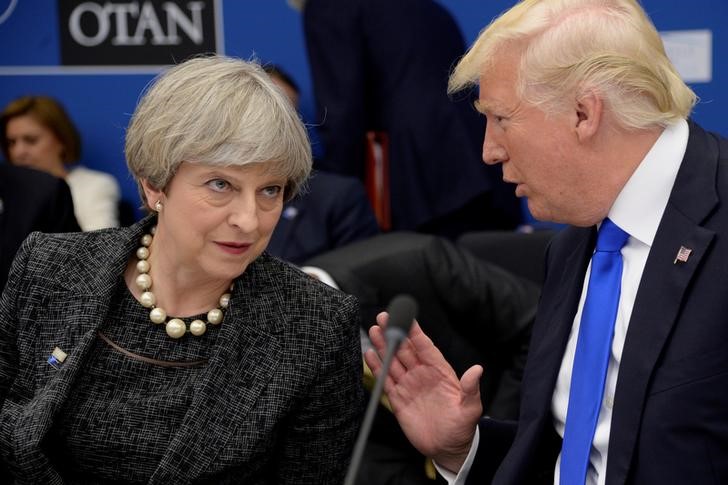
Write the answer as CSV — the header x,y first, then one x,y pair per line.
x,y
158,206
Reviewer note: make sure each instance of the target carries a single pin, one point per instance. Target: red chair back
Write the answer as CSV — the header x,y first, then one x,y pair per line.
x,y
376,179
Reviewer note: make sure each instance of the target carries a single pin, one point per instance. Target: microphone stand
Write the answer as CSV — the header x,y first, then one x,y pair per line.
x,y
402,310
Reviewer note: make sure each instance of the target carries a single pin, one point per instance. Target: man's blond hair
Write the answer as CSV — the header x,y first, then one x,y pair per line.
x,y
572,47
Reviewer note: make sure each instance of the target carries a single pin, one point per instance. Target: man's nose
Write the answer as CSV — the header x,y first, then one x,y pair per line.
x,y
493,151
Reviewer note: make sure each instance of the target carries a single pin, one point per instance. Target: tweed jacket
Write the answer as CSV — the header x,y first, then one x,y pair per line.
x,y
279,400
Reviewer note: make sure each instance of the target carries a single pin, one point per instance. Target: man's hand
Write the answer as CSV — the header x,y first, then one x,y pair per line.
x,y
437,411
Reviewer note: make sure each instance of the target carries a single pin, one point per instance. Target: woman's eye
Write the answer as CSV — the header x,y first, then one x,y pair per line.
x,y
218,185
272,191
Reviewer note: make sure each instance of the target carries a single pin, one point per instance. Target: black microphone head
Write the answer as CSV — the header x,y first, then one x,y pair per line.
x,y
402,311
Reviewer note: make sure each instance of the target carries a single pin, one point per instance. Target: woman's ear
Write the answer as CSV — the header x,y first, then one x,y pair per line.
x,y
152,195
589,115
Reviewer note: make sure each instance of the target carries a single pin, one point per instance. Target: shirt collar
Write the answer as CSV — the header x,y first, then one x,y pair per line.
x,y
642,201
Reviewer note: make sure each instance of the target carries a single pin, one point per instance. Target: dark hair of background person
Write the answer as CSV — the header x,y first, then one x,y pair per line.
x,y
48,112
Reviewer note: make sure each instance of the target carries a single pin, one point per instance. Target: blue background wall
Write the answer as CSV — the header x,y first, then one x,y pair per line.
x,y
101,102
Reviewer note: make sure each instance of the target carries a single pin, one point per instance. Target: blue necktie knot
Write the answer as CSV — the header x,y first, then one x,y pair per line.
x,y
611,237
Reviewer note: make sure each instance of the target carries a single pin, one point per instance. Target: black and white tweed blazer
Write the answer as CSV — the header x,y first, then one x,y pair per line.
x,y
279,401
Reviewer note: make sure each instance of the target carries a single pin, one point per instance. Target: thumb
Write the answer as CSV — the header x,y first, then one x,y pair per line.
x,y
470,382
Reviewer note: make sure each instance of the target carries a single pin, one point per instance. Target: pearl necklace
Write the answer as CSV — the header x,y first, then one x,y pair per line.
x,y
176,328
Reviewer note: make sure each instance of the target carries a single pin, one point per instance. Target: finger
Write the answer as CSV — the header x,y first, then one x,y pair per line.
x,y
470,382
426,350
373,361
376,335
375,365
399,367
416,332
407,354
417,349
382,319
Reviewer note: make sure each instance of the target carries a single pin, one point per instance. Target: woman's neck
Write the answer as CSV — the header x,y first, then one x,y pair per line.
x,y
180,291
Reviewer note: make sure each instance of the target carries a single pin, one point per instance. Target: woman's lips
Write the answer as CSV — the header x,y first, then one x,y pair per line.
x,y
233,247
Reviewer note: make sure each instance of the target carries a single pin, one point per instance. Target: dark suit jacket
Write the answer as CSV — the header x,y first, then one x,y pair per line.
x,y
475,312
333,212
670,415
30,201
279,400
383,65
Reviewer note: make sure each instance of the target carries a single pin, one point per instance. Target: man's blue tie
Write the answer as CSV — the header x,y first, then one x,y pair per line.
x,y
592,353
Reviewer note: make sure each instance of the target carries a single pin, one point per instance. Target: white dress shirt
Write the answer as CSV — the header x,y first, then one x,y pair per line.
x,y
637,210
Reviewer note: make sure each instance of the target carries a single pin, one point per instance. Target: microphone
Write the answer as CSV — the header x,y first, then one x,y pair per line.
x,y
402,312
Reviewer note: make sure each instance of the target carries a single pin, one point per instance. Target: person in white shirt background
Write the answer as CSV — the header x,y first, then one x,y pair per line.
x,y
36,132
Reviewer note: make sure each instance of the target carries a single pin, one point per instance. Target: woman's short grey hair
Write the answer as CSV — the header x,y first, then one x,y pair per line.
x,y
218,111
572,47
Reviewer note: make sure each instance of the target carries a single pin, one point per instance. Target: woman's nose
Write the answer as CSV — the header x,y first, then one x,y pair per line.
x,y
244,214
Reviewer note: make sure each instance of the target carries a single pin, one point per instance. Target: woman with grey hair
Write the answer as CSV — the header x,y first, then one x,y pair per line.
x,y
177,350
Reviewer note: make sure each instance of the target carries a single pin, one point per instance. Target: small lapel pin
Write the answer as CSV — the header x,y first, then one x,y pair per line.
x,y
682,255
57,357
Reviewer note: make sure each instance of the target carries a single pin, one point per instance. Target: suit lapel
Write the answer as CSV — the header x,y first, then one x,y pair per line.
x,y
245,359
661,293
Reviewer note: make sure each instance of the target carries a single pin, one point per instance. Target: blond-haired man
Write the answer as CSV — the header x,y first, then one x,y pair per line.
x,y
589,119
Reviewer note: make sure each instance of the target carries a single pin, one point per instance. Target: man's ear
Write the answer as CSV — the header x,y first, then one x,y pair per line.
x,y
153,195
589,115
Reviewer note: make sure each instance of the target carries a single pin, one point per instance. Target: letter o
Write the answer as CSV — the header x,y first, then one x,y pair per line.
x,y
74,24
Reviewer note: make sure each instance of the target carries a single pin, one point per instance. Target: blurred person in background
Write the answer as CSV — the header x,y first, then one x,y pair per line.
x,y
331,212
382,66
30,200
36,132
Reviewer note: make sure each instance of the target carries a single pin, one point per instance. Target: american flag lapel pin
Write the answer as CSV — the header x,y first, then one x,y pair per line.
x,y
57,357
682,255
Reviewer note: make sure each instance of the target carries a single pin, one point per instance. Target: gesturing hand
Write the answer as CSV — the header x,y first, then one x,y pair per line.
x,y
437,411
